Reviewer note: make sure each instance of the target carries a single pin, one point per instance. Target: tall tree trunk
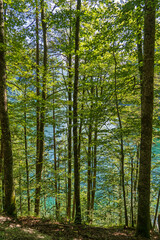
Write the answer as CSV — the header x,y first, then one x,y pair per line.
x,y
94,169
26,155
122,145
55,158
75,122
143,223
69,124
89,173
39,164
132,169
38,103
69,143
89,180
79,147
9,205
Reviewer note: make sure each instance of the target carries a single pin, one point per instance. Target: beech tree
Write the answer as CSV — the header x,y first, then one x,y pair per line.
x,y
9,202
75,120
40,152
143,223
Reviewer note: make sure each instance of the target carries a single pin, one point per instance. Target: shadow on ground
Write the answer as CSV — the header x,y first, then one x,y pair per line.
x,y
31,228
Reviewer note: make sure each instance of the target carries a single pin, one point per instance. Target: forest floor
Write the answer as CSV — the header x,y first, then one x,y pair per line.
x,y
31,228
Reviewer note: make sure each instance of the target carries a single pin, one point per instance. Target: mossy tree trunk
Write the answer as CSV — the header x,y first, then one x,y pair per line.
x,y
9,204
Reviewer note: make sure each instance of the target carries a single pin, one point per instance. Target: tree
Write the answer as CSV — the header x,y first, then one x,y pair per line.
x,y
55,159
122,174
69,119
143,223
9,204
26,155
75,118
39,164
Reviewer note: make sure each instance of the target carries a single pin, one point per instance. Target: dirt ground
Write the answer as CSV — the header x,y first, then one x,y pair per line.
x,y
31,228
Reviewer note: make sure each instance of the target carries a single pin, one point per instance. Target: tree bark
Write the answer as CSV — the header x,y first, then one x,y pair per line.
x,y
143,223
9,204
75,122
69,124
136,182
26,155
20,191
38,105
94,168
132,216
140,56
55,159
69,143
39,164
89,180
89,173
157,206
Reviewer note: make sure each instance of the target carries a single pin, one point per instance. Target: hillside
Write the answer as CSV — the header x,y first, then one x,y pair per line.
x,y
28,228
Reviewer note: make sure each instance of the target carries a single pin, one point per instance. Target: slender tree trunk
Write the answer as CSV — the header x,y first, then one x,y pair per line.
x,y
94,159
122,145
143,220
75,122
80,126
44,193
79,148
55,158
9,206
69,148
59,187
20,190
135,183
74,206
156,213
26,155
94,169
39,164
89,180
89,173
69,127
38,107
132,169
